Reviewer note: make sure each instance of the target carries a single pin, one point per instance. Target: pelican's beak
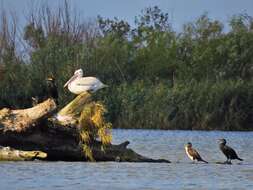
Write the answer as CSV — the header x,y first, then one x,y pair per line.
x,y
70,80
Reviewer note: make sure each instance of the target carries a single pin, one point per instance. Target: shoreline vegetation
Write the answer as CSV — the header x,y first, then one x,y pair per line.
x,y
196,79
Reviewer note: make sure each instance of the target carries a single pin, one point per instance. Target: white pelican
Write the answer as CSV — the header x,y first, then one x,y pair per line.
x,y
78,84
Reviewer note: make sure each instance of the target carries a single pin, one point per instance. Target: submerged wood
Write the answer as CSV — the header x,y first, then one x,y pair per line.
x,y
37,128
10,154
228,163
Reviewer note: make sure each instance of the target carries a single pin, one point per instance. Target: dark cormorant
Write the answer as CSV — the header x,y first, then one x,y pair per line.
x,y
35,101
52,91
192,153
228,151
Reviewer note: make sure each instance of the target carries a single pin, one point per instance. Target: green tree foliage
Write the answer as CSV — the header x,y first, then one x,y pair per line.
x,y
200,78
155,45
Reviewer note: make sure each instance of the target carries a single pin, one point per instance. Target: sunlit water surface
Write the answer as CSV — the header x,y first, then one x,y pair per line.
x,y
180,174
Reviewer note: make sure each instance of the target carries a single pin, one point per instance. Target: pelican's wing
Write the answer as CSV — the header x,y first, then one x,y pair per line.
x,y
86,81
82,84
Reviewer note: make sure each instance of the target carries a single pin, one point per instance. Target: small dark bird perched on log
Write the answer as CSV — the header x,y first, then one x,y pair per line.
x,y
35,101
52,91
228,151
192,153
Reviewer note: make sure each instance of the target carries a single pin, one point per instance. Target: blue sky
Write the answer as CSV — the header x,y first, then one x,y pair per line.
x,y
180,11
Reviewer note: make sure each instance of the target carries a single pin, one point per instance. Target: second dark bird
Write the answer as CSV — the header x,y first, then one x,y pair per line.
x,y
228,151
52,91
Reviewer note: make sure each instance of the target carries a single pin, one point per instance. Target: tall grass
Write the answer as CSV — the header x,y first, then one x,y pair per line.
x,y
203,106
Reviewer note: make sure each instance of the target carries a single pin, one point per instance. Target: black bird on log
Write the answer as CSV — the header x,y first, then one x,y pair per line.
x,y
192,153
52,91
228,151
35,101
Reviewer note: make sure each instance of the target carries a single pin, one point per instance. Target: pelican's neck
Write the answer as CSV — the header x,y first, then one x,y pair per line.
x,y
74,80
71,80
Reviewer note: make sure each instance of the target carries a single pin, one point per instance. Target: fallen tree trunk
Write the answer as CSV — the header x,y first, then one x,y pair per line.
x,y
21,120
69,135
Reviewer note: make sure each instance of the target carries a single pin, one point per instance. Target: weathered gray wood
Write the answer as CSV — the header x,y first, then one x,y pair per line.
x,y
21,120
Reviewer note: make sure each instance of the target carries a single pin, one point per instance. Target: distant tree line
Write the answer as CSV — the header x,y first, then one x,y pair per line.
x,y
199,78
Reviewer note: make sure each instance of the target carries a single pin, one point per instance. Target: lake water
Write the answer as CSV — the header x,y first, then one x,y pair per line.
x,y
180,174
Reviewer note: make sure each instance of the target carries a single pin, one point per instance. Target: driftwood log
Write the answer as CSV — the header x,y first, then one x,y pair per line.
x,y
56,136
10,154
